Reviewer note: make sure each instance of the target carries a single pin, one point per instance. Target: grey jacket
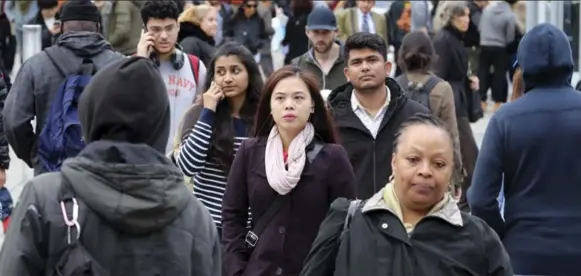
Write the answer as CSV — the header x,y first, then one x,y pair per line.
x,y
36,84
497,25
266,14
136,215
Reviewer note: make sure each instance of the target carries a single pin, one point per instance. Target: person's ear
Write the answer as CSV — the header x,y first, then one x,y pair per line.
x,y
388,68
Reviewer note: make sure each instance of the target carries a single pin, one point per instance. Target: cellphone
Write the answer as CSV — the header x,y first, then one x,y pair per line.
x,y
149,50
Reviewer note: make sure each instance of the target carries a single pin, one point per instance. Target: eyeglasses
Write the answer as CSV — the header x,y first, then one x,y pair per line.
x,y
156,30
251,6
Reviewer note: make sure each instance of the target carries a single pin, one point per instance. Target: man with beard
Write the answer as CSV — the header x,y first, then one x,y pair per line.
x,y
368,110
325,57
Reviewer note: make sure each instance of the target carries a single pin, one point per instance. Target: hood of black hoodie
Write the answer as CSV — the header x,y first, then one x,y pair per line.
x,y
133,187
340,97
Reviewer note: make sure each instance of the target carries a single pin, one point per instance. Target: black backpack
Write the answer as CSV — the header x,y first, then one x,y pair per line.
x,y
76,260
419,92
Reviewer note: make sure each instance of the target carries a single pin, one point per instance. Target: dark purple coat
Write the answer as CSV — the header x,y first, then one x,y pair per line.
x,y
287,239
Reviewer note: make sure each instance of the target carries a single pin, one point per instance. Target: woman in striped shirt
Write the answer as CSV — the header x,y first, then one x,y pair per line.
x,y
215,126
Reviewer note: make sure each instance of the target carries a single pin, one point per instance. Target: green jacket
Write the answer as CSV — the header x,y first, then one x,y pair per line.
x,y
334,79
124,26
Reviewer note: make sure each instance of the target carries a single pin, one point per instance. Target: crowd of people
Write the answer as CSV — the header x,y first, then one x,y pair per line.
x,y
166,143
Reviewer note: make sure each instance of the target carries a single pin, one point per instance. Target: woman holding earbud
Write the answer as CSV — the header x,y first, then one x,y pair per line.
x,y
213,128
288,175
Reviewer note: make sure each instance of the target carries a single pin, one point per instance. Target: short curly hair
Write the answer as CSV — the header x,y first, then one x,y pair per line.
x,y
160,9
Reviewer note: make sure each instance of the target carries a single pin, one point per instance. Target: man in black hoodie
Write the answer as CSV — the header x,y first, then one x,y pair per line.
x,y
368,110
136,215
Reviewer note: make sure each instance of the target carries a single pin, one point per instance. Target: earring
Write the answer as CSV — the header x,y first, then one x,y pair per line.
x,y
390,178
313,109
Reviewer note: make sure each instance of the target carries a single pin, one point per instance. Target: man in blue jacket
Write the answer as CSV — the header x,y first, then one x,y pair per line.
x,y
534,145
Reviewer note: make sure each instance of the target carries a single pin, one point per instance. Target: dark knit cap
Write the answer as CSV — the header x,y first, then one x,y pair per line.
x,y
80,10
126,101
47,4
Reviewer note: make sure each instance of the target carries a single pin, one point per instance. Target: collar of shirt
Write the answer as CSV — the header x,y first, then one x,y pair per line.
x,y
355,104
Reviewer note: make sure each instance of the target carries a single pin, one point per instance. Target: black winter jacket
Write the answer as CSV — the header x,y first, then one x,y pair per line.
x,y
195,42
371,157
445,243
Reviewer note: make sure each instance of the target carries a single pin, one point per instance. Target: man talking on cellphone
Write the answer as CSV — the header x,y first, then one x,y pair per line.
x,y
184,75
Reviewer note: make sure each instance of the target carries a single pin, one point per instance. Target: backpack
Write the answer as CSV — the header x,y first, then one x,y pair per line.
x,y
6,203
61,135
419,92
195,63
75,260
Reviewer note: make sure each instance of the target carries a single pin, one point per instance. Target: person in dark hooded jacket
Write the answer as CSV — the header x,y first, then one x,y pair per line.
x,y
136,215
532,144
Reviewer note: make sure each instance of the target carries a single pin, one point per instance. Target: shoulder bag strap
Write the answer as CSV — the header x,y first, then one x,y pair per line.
x,y
253,235
312,154
354,205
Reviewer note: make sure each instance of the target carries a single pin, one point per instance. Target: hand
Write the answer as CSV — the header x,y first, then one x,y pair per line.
x,y
55,29
99,3
145,45
2,177
213,96
474,83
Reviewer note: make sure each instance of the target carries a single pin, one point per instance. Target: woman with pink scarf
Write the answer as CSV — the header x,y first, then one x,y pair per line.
x,y
287,175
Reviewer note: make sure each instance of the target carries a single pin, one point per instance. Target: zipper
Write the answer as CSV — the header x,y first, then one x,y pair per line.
x,y
374,169
322,73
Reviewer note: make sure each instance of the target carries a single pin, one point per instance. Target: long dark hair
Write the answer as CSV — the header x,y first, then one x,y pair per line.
x,y
320,119
300,7
222,141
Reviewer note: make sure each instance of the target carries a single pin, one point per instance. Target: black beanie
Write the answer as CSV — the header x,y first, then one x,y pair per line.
x,y
47,4
126,101
81,10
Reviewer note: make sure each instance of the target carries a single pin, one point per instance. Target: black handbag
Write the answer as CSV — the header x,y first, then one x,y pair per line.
x,y
475,111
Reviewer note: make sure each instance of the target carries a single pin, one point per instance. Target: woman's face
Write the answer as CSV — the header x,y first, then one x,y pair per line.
x,y
422,166
461,22
291,104
209,23
231,75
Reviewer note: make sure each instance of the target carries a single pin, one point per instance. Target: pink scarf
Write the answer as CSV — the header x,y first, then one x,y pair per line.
x,y
279,178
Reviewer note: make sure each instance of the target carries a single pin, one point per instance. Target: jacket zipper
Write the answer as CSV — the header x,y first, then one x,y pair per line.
x,y
323,74
374,169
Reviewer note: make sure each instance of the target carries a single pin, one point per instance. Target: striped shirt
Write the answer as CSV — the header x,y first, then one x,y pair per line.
x,y
208,177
